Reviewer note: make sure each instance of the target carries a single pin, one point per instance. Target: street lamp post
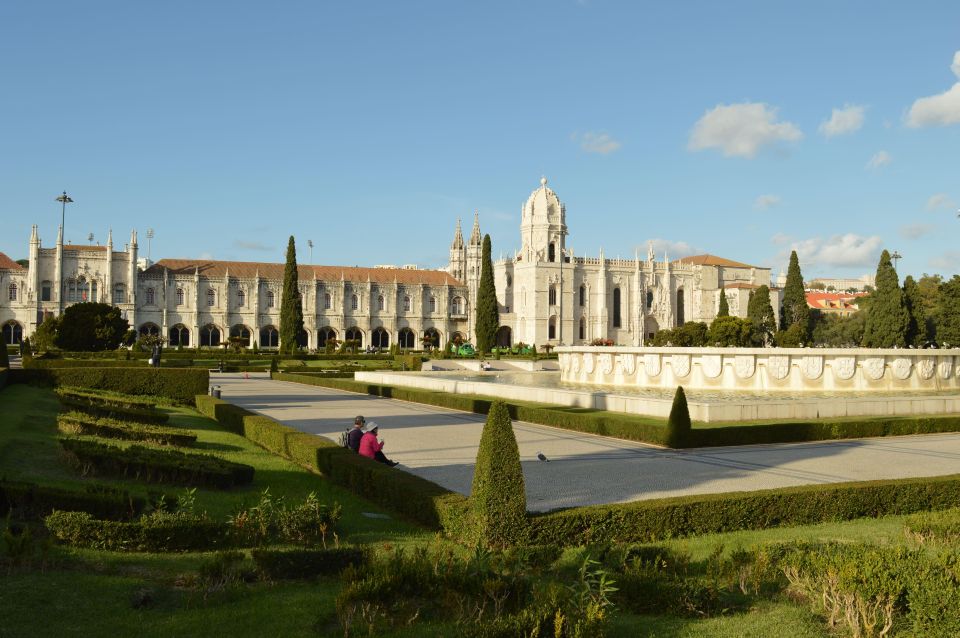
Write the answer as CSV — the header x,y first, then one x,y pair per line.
x,y
310,244
64,200
149,243
895,256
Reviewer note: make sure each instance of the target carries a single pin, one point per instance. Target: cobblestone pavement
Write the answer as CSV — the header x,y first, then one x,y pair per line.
x,y
583,469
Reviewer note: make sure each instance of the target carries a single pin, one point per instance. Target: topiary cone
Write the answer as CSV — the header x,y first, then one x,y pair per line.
x,y
678,424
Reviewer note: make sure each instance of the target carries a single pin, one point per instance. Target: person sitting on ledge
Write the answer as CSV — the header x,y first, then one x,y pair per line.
x,y
371,447
354,436
485,366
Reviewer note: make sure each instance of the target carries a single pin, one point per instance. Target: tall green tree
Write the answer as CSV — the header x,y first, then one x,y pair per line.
x,y
948,315
724,310
291,305
917,316
729,331
887,319
498,497
487,311
90,327
762,319
678,423
795,308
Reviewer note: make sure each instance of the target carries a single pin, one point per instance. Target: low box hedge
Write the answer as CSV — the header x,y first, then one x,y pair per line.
x,y
157,466
95,408
4,377
120,401
416,498
37,363
287,564
30,501
180,384
84,424
168,533
652,520
790,432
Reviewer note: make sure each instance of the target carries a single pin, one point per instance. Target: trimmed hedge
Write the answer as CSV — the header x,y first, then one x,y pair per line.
x,y
29,501
942,526
646,521
621,426
79,423
634,428
37,363
168,533
94,408
4,378
209,354
158,466
288,564
418,499
180,385
120,401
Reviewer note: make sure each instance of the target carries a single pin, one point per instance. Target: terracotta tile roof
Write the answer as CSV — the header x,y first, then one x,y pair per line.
x,y
711,260
841,300
249,269
83,247
8,264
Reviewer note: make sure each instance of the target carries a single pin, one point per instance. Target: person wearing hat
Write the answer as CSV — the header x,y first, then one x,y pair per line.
x,y
371,447
354,436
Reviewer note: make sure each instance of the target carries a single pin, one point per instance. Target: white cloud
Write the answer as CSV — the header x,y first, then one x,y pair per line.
x,y
601,143
948,262
839,250
780,238
940,201
915,231
741,130
763,202
842,121
673,249
879,159
942,109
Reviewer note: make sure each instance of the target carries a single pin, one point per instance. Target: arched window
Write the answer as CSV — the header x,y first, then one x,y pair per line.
x,y
552,295
211,297
271,299
179,296
12,292
46,291
680,318
241,298
150,296
149,329
380,338
431,338
406,338
179,335
381,304
354,334
552,253
242,333
649,299
552,328
210,335
456,307
583,328
433,304
583,296
269,337
93,291
324,335
327,301
406,303
119,294
354,303
12,333
616,307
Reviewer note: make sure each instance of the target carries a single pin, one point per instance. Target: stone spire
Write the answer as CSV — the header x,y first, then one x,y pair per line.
x,y
457,238
475,238
110,239
651,256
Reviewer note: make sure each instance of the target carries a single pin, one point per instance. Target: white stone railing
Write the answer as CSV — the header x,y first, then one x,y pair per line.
x,y
774,369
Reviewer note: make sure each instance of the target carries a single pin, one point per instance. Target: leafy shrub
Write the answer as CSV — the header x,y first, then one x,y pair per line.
x,y
80,423
498,498
29,501
180,385
284,564
942,526
678,423
96,408
158,532
271,520
162,466
112,400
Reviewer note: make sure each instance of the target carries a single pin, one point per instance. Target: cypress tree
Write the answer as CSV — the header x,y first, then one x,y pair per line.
x,y
948,315
795,309
487,312
917,317
724,310
760,314
678,423
498,497
291,306
887,317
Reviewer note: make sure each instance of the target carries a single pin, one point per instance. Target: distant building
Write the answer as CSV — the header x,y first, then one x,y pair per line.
x,y
835,303
842,285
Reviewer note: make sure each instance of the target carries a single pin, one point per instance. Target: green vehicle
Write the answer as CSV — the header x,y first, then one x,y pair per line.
x,y
466,350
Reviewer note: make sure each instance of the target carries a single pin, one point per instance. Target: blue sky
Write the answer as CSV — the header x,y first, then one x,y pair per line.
x,y
743,129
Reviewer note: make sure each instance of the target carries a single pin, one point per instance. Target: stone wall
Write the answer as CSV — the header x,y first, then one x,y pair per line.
x,y
764,369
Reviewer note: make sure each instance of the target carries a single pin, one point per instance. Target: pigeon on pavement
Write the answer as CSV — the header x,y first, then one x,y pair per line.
x,y
541,457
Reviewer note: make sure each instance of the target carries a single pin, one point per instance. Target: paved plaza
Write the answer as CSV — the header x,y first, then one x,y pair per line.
x,y
441,445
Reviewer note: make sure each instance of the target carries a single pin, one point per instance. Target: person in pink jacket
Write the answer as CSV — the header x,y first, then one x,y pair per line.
x,y
371,447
